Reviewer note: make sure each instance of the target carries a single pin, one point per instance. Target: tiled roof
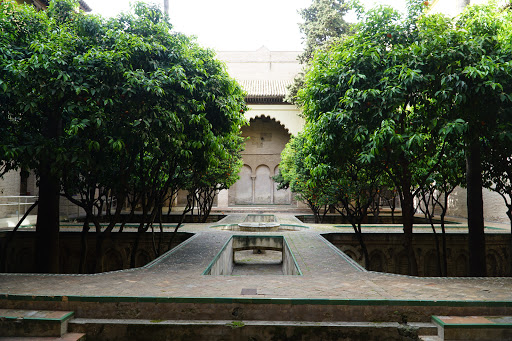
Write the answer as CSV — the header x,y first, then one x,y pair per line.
x,y
265,89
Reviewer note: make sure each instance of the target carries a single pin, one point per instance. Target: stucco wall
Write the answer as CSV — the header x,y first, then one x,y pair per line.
x,y
10,185
261,64
494,205
285,114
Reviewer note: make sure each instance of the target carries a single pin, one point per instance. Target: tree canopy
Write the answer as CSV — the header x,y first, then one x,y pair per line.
x,y
122,104
403,87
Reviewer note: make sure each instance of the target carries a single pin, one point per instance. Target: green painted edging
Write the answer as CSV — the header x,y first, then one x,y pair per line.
x,y
166,254
126,225
293,256
217,256
399,226
256,236
63,318
294,225
241,300
471,325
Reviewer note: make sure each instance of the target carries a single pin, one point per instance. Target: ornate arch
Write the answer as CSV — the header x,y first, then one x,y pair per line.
x,y
253,117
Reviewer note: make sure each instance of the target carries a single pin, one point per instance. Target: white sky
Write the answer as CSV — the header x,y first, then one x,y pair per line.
x,y
240,25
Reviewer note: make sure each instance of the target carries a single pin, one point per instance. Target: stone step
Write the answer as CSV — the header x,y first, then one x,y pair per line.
x,y
37,323
190,330
429,338
65,337
452,328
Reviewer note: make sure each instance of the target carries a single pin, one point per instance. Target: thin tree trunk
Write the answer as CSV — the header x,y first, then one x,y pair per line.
x,y
407,217
393,207
98,260
443,238
182,218
359,234
476,235
443,229
430,216
47,226
84,246
509,214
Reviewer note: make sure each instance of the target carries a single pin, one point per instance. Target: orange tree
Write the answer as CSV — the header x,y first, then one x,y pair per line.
x,y
108,109
413,82
352,184
295,174
469,62
375,79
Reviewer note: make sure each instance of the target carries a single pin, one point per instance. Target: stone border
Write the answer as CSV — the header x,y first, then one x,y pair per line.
x,y
256,300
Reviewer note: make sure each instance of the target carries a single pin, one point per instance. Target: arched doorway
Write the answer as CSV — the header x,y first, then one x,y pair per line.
x,y
266,139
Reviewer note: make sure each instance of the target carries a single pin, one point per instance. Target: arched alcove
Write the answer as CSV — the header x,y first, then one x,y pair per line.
x,y
243,187
112,260
378,261
461,266
263,186
493,265
402,263
431,264
142,258
265,140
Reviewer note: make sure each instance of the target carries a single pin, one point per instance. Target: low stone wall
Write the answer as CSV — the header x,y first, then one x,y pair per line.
x,y
174,218
387,253
370,219
223,262
289,264
117,250
254,308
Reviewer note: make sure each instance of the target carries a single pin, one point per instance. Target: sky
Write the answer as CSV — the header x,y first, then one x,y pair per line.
x,y
234,25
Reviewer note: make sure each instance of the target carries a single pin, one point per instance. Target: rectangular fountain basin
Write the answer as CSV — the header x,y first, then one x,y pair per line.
x,y
224,262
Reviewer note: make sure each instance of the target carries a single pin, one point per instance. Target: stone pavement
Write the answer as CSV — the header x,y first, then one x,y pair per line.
x,y
327,274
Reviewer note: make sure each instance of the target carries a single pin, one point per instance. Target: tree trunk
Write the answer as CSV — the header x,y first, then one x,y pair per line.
x,y
509,214
83,246
408,221
47,226
359,234
443,236
476,236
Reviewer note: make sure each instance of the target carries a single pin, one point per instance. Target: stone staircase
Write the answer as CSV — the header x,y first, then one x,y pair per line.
x,y
36,325
50,325
192,330
466,328
46,325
